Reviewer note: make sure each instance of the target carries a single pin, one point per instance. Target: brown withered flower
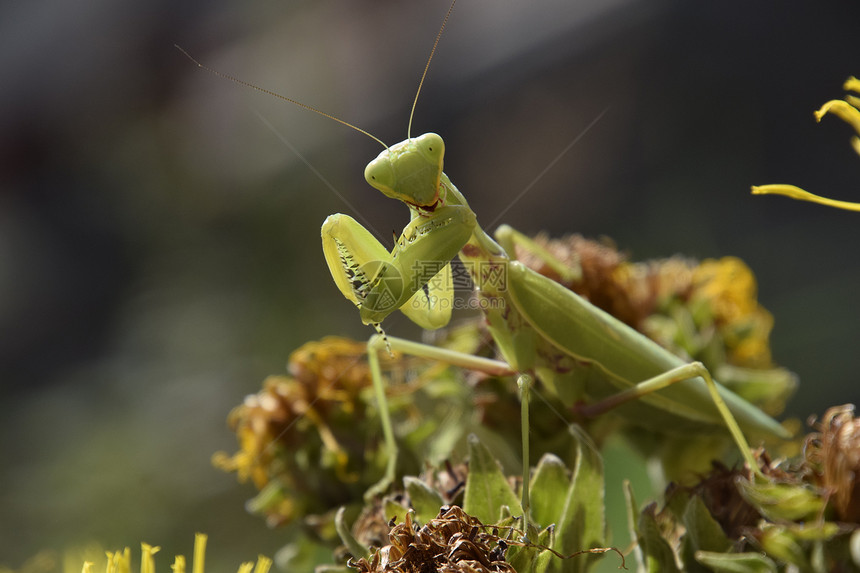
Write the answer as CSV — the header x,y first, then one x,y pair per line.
x,y
298,436
832,455
452,542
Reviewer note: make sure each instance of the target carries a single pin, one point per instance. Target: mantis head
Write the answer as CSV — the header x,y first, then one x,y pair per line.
x,y
409,171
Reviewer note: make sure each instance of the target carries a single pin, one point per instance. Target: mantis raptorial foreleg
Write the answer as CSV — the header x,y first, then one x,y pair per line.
x,y
379,282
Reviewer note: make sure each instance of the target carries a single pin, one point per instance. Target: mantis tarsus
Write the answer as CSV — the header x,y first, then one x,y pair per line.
x,y
542,329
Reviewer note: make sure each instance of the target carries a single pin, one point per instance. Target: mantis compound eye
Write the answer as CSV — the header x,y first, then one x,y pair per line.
x,y
432,147
379,173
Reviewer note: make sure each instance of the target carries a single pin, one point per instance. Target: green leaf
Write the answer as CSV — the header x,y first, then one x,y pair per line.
x,y
528,559
392,509
550,483
352,545
487,489
658,555
426,501
633,524
736,562
813,531
582,523
704,532
782,502
779,543
544,560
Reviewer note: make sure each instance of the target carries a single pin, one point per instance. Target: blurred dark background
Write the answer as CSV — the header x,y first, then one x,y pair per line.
x,y
159,243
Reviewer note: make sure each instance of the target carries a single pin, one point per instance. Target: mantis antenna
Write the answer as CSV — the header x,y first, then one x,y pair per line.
x,y
298,103
426,67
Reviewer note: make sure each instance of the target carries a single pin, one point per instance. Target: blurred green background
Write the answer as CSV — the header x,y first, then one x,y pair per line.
x,y
159,243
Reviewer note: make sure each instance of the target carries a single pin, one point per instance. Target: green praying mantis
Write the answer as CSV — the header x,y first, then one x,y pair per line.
x,y
542,330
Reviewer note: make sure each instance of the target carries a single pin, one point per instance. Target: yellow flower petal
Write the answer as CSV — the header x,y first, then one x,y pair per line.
x,y
263,564
801,195
729,287
848,110
147,560
199,553
120,562
844,110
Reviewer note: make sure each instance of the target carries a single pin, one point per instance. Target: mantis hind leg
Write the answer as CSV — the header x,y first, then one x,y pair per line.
x,y
679,374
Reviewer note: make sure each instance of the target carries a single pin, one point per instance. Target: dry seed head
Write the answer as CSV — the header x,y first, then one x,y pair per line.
x,y
832,454
452,542
315,410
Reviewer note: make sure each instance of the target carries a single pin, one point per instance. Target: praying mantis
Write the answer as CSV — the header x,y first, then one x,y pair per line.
x,y
542,330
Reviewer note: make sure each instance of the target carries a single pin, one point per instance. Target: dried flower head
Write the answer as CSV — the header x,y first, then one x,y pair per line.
x,y
297,436
729,287
312,441
832,455
452,542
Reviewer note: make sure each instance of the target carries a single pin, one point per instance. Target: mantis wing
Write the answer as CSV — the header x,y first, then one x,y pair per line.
x,y
621,357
